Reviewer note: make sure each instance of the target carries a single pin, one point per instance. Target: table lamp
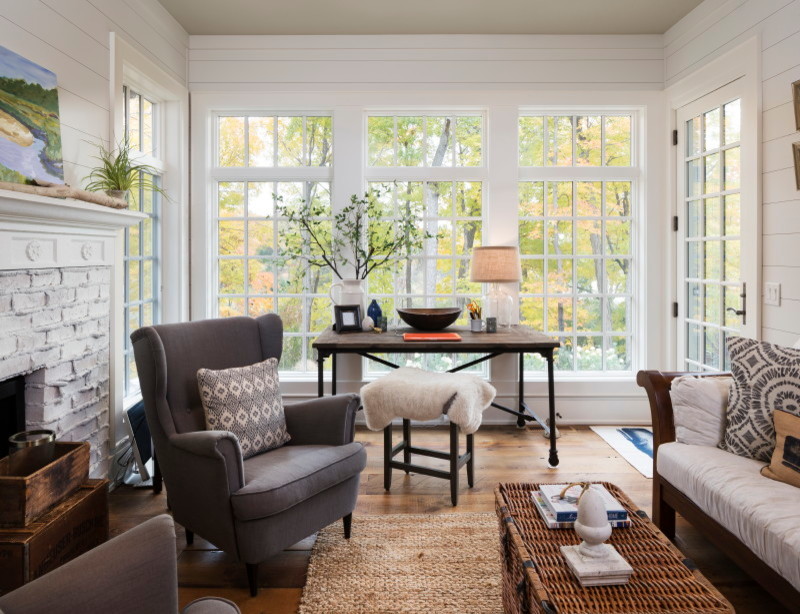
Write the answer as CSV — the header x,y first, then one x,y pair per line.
x,y
495,265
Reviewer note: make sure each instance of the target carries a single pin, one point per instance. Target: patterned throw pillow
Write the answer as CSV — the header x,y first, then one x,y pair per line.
x,y
247,402
766,377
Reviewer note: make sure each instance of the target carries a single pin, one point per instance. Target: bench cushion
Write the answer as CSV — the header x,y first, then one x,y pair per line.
x,y
282,478
761,512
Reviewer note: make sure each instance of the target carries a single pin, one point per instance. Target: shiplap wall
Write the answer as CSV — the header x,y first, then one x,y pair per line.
x,y
341,63
71,38
709,31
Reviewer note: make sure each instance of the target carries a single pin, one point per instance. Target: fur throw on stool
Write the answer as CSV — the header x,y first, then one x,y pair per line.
x,y
421,395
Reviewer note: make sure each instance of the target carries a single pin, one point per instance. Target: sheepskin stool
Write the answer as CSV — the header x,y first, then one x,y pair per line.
x,y
414,394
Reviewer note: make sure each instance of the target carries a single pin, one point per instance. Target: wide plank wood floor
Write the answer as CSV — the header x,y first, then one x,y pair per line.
x,y
503,454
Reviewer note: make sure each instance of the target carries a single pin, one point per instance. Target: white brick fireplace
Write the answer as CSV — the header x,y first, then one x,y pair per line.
x,y
57,293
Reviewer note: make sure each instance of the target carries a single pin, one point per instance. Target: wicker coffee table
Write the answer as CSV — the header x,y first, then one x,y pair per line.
x,y
536,577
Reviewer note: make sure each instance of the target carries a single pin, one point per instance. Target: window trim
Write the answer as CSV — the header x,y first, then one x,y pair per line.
x,y
132,68
603,173
257,174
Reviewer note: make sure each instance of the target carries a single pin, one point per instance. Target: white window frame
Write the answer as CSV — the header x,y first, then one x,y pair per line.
x,y
133,394
258,174
633,173
427,174
129,67
617,398
741,65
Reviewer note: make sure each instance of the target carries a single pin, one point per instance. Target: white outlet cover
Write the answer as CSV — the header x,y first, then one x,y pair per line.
x,y
772,294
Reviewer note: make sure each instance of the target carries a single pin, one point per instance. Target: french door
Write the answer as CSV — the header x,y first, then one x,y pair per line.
x,y
714,241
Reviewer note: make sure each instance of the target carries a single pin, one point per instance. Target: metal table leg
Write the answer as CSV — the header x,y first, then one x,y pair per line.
x,y
320,374
521,392
551,391
333,373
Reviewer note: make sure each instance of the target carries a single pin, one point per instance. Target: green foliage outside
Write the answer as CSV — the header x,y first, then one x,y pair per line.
x,y
575,237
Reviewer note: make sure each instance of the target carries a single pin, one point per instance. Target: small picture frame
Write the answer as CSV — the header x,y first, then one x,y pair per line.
x,y
796,99
796,156
348,318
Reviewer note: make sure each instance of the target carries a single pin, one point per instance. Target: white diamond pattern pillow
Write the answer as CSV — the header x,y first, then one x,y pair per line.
x,y
247,402
766,377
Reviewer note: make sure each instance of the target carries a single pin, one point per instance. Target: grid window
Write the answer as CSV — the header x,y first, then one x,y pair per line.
x,y
713,285
575,140
448,207
425,140
142,285
253,278
576,239
140,122
274,141
142,259
253,274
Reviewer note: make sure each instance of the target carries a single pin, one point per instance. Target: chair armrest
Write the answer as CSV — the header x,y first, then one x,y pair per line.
x,y
134,573
222,446
211,605
323,421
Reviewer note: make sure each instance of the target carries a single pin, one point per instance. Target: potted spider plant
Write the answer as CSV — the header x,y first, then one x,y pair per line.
x,y
118,173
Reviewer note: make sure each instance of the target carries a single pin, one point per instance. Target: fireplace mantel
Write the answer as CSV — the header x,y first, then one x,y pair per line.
x,y
41,232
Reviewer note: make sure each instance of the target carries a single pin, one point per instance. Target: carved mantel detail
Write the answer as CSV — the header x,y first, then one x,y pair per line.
x,y
41,232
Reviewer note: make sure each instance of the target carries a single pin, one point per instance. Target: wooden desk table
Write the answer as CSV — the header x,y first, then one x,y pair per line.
x,y
517,339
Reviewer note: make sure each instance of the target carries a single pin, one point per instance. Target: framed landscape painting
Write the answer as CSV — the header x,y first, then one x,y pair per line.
x,y
30,130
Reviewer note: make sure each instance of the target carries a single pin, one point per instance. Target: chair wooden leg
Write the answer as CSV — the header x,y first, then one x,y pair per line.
x,y
387,457
189,537
471,461
252,578
453,464
347,521
407,439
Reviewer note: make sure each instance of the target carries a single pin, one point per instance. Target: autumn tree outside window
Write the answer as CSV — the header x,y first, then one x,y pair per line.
x,y
576,236
288,156
434,163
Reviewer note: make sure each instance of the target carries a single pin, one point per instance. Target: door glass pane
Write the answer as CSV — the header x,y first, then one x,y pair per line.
x,y
711,125
694,143
712,284
733,118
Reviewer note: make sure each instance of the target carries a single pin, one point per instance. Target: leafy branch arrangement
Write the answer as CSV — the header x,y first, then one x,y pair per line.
x,y
117,171
363,239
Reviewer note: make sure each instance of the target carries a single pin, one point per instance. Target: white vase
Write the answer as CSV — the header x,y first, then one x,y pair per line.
x,y
350,292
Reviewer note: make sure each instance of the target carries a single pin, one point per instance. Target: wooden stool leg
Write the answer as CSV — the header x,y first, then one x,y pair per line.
x,y
407,439
471,461
453,464
387,457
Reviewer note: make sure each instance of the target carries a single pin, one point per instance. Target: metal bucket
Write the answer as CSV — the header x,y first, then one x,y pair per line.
x,y
29,451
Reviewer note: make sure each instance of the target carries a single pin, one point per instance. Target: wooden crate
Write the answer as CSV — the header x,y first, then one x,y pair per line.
x,y
30,485
74,526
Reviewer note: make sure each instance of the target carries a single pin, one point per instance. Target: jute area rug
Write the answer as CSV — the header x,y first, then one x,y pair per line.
x,y
407,564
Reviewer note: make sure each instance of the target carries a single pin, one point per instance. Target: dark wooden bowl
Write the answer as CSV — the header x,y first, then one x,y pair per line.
x,y
435,318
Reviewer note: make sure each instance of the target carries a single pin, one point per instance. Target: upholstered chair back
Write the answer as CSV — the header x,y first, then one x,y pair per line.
x,y
177,351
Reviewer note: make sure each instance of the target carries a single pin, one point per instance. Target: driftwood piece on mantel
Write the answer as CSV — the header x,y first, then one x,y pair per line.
x,y
65,191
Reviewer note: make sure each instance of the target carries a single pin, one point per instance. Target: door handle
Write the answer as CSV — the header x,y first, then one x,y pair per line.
x,y
743,311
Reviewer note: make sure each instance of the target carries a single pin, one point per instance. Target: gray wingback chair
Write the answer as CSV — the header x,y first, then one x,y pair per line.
x,y
134,573
255,508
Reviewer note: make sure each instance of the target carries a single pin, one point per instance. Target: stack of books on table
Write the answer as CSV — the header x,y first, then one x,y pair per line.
x,y
560,513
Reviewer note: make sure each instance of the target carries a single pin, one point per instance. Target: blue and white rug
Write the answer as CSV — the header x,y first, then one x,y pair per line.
x,y
634,443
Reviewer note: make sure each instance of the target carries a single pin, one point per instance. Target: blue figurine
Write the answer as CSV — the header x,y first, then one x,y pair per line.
x,y
374,311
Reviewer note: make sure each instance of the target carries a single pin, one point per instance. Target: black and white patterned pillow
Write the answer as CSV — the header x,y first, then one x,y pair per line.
x,y
247,402
766,377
